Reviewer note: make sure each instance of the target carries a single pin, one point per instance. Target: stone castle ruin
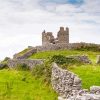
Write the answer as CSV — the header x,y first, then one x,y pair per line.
x,y
61,42
62,37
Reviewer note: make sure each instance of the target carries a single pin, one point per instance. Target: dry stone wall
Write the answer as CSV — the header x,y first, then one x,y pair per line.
x,y
31,63
98,59
66,46
58,46
83,58
68,86
65,82
26,55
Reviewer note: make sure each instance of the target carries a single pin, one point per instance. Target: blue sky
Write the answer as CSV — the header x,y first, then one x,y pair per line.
x,y
22,21
65,1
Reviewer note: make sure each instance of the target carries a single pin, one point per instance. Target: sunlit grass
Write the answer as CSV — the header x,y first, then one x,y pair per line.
x,y
21,85
43,55
90,74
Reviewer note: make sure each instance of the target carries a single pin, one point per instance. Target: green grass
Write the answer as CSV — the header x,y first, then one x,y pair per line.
x,y
21,85
90,74
43,55
23,51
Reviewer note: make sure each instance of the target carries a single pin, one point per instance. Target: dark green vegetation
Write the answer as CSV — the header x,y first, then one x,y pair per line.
x,y
22,84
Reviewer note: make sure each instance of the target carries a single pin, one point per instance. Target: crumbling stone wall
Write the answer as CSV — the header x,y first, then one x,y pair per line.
x,y
68,86
64,82
98,59
65,46
31,63
47,38
83,58
26,55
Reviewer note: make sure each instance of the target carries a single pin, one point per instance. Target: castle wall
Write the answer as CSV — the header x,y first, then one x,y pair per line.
x,y
58,46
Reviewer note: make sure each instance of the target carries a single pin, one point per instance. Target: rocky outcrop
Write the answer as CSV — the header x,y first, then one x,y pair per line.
x,y
68,86
31,63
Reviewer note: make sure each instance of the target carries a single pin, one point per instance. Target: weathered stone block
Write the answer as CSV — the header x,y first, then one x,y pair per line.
x,y
98,59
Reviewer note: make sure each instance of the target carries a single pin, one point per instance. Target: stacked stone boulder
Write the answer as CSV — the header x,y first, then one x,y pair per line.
x,y
68,86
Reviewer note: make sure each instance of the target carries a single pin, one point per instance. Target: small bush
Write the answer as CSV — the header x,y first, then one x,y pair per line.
x,y
22,67
64,61
59,59
3,65
43,71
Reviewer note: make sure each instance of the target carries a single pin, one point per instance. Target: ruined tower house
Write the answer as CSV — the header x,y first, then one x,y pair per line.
x,y
62,37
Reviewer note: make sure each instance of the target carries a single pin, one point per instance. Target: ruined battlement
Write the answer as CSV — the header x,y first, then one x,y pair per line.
x,y
62,37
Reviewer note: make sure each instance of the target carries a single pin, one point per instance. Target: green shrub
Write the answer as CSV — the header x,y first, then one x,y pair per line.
x,y
3,65
64,61
43,71
59,59
22,67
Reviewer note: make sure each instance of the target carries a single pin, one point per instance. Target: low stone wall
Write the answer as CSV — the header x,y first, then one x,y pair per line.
x,y
65,82
26,55
68,86
50,47
64,46
98,59
83,58
58,46
31,63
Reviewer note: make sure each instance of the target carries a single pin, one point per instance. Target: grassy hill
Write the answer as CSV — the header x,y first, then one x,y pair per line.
x,y
89,73
22,85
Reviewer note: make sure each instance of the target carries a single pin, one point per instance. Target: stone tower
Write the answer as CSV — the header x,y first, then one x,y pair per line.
x,y
47,38
63,35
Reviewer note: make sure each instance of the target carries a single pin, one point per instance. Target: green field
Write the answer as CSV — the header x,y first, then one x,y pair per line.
x,y
22,85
